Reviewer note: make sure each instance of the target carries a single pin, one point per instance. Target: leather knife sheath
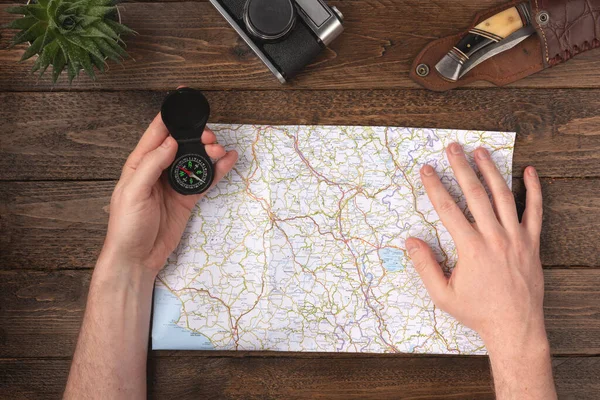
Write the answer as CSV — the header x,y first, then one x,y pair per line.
x,y
569,27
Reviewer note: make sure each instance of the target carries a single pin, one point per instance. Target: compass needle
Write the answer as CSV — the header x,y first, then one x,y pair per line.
x,y
187,179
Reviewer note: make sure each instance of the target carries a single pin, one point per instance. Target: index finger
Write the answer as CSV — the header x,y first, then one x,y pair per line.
x,y
208,136
155,134
450,214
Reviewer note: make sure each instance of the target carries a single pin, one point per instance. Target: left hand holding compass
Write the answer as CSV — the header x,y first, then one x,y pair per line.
x,y
147,217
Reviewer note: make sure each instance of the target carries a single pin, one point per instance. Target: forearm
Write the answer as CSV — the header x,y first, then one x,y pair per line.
x,y
523,371
110,359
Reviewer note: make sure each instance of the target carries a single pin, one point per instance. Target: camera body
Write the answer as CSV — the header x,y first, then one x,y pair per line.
x,y
285,34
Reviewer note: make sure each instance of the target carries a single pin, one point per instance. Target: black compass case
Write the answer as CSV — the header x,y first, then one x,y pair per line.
x,y
185,113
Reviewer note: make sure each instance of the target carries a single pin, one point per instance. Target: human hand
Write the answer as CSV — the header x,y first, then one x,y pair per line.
x,y
497,286
147,217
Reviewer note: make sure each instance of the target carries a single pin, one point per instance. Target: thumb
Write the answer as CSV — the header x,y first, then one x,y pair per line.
x,y
153,164
429,269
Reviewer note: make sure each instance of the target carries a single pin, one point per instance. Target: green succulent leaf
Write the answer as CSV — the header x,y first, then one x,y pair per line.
x,y
100,11
94,32
120,29
87,21
36,65
65,8
48,55
107,49
32,33
99,63
117,47
79,56
45,58
62,42
58,65
83,4
34,48
88,66
72,70
69,35
52,6
21,23
20,10
106,29
99,3
71,9
38,11
87,44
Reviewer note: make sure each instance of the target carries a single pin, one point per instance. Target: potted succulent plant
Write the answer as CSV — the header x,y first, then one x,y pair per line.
x,y
70,35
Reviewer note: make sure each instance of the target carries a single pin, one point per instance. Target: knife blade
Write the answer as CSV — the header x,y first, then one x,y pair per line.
x,y
495,35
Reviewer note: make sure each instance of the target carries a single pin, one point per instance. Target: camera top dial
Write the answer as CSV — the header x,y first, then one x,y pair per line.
x,y
269,20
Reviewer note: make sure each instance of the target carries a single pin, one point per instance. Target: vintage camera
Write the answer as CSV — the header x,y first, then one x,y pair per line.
x,y
285,34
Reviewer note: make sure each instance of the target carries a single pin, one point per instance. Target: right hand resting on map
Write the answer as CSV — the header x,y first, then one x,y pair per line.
x,y
497,286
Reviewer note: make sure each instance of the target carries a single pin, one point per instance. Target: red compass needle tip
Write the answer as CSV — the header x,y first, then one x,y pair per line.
x,y
186,171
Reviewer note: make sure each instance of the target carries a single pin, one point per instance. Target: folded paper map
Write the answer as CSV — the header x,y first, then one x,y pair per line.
x,y
301,246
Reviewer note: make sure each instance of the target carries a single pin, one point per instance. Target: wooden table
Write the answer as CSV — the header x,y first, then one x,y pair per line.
x,y
62,149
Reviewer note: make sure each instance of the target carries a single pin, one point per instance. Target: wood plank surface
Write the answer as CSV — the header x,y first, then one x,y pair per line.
x,y
62,148
191,43
61,225
52,225
292,378
82,136
44,310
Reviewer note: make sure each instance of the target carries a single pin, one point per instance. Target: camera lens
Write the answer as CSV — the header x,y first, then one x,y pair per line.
x,y
269,19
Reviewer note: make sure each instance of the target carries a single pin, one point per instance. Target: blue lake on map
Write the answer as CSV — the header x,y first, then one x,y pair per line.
x,y
392,259
166,335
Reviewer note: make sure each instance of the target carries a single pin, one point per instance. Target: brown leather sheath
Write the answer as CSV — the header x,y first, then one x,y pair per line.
x,y
569,28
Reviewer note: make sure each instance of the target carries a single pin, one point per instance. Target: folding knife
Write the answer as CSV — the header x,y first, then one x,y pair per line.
x,y
496,34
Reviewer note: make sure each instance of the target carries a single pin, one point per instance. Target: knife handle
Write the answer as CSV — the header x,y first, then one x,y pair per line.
x,y
500,25
470,44
492,30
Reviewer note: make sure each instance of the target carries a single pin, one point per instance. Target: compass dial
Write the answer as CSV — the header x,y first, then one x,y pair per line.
x,y
191,174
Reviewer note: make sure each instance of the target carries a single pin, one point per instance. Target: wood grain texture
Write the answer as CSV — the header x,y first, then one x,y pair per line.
x,y
293,378
44,310
363,378
89,135
52,226
61,225
191,43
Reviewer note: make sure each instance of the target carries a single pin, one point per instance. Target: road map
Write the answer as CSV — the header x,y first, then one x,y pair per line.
x,y
301,246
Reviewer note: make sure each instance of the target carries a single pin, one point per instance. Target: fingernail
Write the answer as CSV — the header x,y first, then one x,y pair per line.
x,y
483,154
532,172
427,170
411,247
455,148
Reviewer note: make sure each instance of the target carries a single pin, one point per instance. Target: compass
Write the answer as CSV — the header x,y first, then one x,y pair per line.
x,y
191,173
185,113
